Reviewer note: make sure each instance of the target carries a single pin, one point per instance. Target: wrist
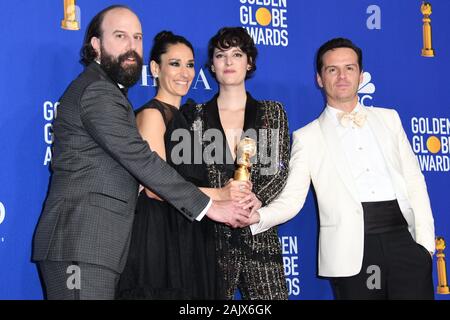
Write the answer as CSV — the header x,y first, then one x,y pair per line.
x,y
255,218
224,194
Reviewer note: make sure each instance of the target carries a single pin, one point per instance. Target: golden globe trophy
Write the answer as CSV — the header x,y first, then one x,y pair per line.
x,y
441,269
244,151
70,21
427,50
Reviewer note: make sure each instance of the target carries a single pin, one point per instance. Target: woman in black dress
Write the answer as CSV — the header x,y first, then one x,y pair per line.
x,y
171,257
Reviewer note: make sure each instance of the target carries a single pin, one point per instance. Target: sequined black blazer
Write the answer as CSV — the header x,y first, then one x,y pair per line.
x,y
266,122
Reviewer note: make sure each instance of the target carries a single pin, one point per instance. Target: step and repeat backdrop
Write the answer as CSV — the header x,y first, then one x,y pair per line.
x,y
39,59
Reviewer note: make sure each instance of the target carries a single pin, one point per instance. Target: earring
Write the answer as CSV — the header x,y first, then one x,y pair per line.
x,y
249,68
213,69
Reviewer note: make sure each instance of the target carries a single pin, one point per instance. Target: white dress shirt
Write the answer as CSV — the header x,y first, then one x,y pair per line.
x,y
365,159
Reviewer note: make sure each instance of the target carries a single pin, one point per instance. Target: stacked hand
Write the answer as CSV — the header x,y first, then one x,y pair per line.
x,y
238,207
235,189
240,192
227,212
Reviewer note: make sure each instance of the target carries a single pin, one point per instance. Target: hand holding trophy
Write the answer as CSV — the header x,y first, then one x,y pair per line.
x,y
244,151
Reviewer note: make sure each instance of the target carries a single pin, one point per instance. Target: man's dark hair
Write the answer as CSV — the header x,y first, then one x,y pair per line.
x,y
334,44
87,52
229,37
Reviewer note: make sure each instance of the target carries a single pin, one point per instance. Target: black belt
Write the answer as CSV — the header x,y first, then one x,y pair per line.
x,y
382,216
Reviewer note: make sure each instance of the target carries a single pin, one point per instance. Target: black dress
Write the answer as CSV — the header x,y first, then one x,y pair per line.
x,y
170,257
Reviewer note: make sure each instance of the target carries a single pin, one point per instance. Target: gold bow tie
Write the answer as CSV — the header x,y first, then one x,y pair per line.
x,y
347,118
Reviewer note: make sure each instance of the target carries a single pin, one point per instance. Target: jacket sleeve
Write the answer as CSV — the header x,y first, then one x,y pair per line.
x,y
291,199
109,119
272,175
416,188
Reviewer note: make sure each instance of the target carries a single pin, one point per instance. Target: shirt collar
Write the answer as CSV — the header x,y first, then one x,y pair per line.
x,y
332,112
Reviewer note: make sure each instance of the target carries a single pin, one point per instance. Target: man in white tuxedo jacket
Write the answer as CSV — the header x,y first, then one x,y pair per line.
x,y
369,187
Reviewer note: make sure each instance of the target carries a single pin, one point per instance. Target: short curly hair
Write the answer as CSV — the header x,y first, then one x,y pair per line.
x,y
229,37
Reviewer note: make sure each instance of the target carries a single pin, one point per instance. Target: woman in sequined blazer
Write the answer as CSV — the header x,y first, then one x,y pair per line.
x,y
252,264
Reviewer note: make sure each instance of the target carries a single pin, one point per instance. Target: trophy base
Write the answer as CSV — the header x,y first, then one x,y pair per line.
x,y
427,53
70,25
443,290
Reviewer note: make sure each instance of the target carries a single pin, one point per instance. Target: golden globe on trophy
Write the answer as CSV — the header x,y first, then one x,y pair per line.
x,y
244,151
70,21
441,269
427,50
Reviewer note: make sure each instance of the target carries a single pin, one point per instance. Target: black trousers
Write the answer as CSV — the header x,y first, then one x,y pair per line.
x,y
394,267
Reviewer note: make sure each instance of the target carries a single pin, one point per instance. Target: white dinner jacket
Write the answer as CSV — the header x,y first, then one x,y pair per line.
x,y
318,157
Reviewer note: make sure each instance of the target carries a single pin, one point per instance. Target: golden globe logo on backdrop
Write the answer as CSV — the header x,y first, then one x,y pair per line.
x,y
431,143
265,21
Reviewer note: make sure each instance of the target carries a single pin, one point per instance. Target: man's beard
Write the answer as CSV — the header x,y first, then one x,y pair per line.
x,y
125,75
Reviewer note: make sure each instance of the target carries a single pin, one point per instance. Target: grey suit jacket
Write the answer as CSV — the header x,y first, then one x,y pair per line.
x,y
98,159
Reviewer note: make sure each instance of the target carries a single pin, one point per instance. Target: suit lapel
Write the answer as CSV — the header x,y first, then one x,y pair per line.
x,y
250,118
337,154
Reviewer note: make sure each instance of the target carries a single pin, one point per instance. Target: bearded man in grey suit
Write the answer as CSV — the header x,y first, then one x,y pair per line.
x,y
99,158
